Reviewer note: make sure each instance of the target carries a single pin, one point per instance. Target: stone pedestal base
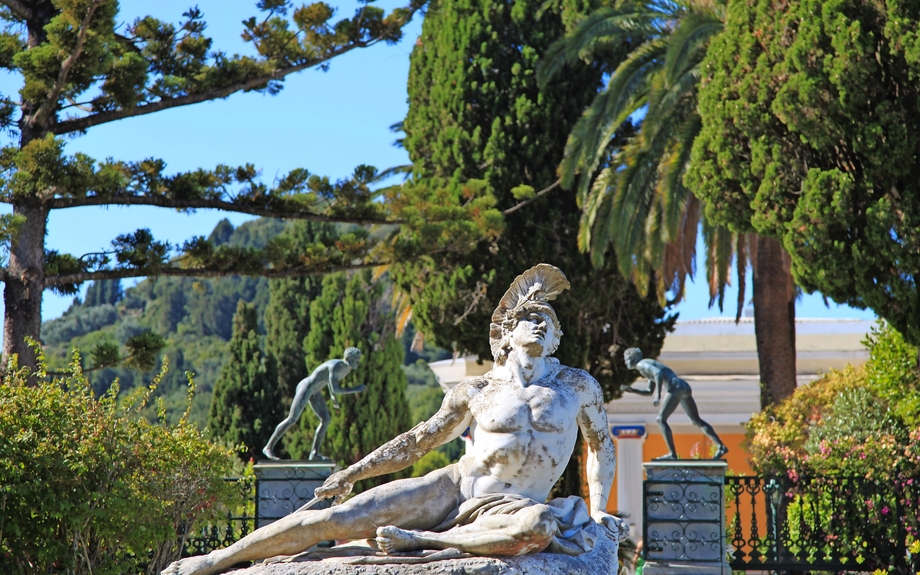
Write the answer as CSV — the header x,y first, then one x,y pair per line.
x,y
363,560
701,568
282,487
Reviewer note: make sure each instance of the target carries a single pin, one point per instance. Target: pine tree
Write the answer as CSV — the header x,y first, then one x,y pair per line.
x,y
348,313
79,65
246,405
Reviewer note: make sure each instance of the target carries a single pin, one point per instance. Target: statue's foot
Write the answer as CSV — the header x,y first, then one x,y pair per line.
x,y
722,450
393,540
200,565
320,458
668,457
268,453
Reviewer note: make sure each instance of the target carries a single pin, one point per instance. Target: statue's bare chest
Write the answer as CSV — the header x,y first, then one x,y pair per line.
x,y
506,407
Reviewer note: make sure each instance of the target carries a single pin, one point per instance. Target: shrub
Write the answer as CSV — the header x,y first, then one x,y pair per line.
x,y
87,485
859,421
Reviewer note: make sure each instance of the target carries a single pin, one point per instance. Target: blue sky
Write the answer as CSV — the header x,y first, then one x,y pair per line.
x,y
327,122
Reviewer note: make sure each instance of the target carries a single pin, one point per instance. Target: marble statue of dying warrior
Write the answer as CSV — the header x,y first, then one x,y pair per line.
x,y
676,392
523,417
330,374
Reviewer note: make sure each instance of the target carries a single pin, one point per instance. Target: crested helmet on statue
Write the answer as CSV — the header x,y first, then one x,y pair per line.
x,y
530,291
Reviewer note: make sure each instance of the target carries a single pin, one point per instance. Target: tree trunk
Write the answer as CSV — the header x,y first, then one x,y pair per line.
x,y
774,321
25,283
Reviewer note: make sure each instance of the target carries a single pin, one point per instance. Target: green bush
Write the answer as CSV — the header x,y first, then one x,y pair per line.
x,y
860,421
88,485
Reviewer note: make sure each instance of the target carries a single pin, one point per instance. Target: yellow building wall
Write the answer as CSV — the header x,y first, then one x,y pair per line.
x,y
688,444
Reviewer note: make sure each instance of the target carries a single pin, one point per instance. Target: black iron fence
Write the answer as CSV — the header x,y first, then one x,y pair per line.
x,y
235,520
823,524
772,524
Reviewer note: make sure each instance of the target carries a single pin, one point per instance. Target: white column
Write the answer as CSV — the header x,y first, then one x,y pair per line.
x,y
629,441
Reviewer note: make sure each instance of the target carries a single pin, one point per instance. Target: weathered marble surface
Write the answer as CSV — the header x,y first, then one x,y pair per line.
x,y
599,561
524,418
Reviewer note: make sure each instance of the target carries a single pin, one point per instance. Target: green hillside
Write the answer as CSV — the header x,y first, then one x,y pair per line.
x,y
195,316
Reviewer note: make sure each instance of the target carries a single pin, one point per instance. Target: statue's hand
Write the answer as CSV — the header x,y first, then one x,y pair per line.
x,y
335,404
616,528
656,402
337,485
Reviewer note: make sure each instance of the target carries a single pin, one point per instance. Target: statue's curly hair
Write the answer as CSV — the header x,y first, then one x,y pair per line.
x,y
352,352
632,355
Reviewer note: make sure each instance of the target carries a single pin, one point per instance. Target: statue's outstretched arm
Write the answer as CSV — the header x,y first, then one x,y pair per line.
x,y
407,448
648,391
601,460
334,386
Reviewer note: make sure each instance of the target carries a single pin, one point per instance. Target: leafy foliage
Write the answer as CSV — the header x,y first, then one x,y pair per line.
x,y
194,318
80,67
88,485
479,122
810,134
859,421
246,404
632,145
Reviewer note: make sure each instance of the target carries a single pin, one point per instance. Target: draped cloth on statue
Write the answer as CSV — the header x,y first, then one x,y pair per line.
x,y
571,513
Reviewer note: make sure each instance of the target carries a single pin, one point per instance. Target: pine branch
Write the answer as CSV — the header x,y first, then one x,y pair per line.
x,y
78,278
85,122
18,8
271,208
82,123
48,106
520,205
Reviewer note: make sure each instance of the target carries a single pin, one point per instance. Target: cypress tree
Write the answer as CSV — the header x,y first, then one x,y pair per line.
x,y
476,113
246,406
348,313
103,292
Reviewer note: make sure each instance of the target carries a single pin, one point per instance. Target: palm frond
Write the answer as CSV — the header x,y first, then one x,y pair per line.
x,y
719,255
741,258
604,221
674,195
623,96
687,45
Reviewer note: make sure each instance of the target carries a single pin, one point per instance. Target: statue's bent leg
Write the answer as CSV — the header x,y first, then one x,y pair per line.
x,y
668,404
693,413
318,405
415,503
529,530
297,406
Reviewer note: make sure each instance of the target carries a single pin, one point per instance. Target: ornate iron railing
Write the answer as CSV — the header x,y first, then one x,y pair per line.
x,y
236,520
822,523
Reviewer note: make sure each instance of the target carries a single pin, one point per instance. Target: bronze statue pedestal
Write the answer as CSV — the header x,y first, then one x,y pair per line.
x,y
684,517
282,487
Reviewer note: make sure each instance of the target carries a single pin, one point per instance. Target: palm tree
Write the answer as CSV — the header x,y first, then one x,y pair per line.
x,y
627,156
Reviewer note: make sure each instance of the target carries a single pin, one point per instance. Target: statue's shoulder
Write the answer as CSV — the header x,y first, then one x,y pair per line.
x,y
471,386
575,376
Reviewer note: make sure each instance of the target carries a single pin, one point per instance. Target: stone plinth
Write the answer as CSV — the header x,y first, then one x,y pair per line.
x,y
684,523
282,487
363,560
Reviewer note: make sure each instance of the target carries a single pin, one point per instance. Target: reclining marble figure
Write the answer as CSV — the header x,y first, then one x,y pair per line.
x,y
524,416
